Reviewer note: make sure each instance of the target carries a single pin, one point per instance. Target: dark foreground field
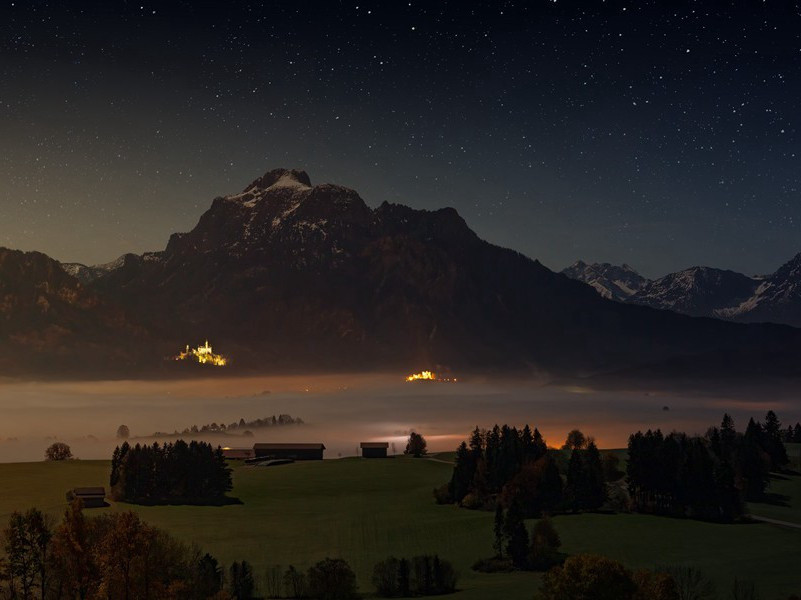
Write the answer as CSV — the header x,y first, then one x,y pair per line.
x,y
364,511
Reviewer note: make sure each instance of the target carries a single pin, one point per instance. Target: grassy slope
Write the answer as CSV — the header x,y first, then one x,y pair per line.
x,y
365,510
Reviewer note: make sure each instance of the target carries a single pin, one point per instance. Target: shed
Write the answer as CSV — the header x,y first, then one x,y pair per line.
x,y
92,497
374,449
293,451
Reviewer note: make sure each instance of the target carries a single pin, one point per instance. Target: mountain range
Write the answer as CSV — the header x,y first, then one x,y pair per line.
x,y
703,291
290,276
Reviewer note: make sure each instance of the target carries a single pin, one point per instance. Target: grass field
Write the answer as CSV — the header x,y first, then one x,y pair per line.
x,y
364,510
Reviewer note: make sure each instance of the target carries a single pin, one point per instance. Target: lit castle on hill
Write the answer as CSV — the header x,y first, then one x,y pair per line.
x,y
202,355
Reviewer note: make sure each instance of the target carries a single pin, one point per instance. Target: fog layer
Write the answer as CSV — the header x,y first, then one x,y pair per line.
x,y
343,410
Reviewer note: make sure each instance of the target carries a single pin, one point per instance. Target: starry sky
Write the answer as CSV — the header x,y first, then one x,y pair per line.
x,y
660,134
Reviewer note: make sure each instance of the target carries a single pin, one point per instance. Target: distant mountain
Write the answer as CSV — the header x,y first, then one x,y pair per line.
x,y
287,275
87,274
705,292
611,281
698,291
51,323
777,298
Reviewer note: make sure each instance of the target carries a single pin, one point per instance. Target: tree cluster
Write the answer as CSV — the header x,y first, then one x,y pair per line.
x,y
515,548
514,467
704,477
792,434
236,426
420,576
490,460
329,579
193,472
111,557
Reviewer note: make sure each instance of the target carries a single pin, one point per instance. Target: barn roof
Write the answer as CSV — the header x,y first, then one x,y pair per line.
x,y
288,446
375,444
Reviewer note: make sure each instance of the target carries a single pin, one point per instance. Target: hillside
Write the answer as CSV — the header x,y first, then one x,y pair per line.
x,y
367,510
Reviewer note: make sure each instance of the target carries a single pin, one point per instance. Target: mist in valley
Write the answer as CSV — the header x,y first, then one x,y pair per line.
x,y
343,410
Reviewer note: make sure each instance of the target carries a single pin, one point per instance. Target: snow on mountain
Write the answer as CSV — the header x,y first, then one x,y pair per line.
x,y
611,281
776,299
697,291
703,291
87,274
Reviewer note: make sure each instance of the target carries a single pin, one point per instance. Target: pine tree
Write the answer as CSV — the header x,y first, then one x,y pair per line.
x,y
594,487
463,472
498,530
773,441
516,535
576,480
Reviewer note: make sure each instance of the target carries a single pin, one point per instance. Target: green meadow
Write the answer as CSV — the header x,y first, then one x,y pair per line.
x,y
365,510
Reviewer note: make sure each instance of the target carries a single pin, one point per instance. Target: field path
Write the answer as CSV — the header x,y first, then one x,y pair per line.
x,y
775,521
439,460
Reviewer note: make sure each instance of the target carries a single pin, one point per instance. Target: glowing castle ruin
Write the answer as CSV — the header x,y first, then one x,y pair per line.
x,y
429,376
203,355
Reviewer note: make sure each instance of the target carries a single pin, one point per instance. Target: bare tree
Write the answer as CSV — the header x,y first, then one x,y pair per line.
x,y
272,581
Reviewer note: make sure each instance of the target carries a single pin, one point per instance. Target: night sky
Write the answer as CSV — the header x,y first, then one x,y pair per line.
x,y
663,135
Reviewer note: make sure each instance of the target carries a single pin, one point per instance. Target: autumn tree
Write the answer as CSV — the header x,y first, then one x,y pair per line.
x,y
72,551
545,543
26,541
588,577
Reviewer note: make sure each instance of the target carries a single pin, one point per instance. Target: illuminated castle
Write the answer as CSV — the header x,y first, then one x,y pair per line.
x,y
203,355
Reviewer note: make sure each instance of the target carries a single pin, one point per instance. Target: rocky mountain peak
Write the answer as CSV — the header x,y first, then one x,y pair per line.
x,y
280,178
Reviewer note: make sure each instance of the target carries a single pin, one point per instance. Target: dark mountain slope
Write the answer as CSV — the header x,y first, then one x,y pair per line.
x,y
286,275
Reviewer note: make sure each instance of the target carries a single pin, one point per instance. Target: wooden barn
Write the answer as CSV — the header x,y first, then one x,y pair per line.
x,y
92,497
374,449
238,453
291,451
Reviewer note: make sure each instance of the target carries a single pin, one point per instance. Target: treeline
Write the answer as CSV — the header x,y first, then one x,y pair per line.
x,y
111,557
329,579
516,548
421,576
193,473
706,477
593,577
333,579
236,427
792,435
510,467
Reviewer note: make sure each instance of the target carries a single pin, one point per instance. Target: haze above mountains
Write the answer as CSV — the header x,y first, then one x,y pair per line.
x,y
290,276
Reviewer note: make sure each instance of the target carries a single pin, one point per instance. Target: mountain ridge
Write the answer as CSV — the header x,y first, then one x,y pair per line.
x,y
287,275
710,292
